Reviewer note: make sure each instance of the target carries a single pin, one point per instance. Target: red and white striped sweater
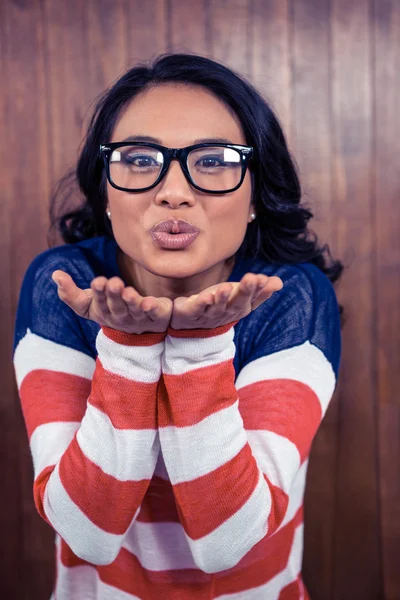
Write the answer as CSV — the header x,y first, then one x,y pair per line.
x,y
163,472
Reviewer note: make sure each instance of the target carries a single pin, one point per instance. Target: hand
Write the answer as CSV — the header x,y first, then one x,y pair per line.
x,y
108,302
223,303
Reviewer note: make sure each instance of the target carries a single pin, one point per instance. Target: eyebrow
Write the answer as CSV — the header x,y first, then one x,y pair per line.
x,y
148,138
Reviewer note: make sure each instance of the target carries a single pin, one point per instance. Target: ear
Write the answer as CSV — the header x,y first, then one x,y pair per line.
x,y
252,213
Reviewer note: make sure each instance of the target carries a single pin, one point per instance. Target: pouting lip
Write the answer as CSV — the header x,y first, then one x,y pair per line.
x,y
175,226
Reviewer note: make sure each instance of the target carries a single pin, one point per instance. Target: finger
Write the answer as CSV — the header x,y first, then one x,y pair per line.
x,y
76,298
274,284
113,291
152,307
244,291
263,281
196,305
162,310
221,298
202,303
98,287
132,299
222,294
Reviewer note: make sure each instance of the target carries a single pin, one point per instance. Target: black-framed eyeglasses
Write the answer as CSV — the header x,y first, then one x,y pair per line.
x,y
140,166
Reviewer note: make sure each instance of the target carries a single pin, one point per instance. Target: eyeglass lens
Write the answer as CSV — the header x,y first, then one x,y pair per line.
x,y
213,168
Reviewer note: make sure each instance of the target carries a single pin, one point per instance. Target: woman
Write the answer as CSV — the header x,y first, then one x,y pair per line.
x,y
173,381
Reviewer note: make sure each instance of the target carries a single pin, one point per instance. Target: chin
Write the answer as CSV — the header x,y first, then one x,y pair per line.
x,y
174,266
174,272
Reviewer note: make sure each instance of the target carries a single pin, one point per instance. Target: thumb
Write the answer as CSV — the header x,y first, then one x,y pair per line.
x,y
76,298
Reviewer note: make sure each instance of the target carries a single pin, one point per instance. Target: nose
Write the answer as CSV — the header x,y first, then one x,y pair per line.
x,y
174,189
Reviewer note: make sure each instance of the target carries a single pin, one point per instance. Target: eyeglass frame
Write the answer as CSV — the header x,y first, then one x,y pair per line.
x,y
180,154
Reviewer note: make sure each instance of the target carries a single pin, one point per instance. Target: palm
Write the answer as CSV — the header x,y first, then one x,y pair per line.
x,y
223,303
112,304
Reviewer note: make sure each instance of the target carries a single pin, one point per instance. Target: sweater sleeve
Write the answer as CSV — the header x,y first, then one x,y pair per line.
x,y
91,422
232,448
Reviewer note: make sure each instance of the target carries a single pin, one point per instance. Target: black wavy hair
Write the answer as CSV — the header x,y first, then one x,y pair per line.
x,y
279,234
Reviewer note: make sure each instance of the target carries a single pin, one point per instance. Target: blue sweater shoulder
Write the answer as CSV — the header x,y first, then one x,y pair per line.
x,y
39,308
305,309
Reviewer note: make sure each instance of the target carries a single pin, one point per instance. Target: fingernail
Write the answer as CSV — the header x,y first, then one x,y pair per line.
x,y
57,281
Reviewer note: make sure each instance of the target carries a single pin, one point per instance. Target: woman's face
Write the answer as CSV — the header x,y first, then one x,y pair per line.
x,y
176,116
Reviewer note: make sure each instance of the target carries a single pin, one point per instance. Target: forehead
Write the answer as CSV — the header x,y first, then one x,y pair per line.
x,y
178,115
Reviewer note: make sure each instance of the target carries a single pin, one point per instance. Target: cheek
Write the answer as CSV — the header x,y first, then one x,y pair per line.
x,y
126,218
229,222
126,209
247,188
236,208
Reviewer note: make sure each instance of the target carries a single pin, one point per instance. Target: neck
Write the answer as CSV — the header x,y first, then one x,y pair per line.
x,y
150,284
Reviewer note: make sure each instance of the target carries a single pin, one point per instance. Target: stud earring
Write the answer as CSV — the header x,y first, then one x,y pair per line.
x,y
108,214
252,216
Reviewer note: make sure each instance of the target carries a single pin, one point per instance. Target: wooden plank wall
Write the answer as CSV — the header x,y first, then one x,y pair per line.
x,y
331,69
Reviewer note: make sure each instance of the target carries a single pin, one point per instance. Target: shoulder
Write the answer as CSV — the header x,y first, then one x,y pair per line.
x,y
39,308
83,261
304,310
307,290
303,283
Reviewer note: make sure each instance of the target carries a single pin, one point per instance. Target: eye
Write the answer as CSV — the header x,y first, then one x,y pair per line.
x,y
140,160
210,162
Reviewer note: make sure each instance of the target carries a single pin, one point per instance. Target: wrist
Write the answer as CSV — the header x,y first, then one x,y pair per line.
x,y
200,333
133,339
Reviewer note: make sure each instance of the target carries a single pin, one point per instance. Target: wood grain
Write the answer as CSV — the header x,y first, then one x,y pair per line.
x,y
386,227
356,534
312,147
271,70
330,69
189,26
230,33
29,546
